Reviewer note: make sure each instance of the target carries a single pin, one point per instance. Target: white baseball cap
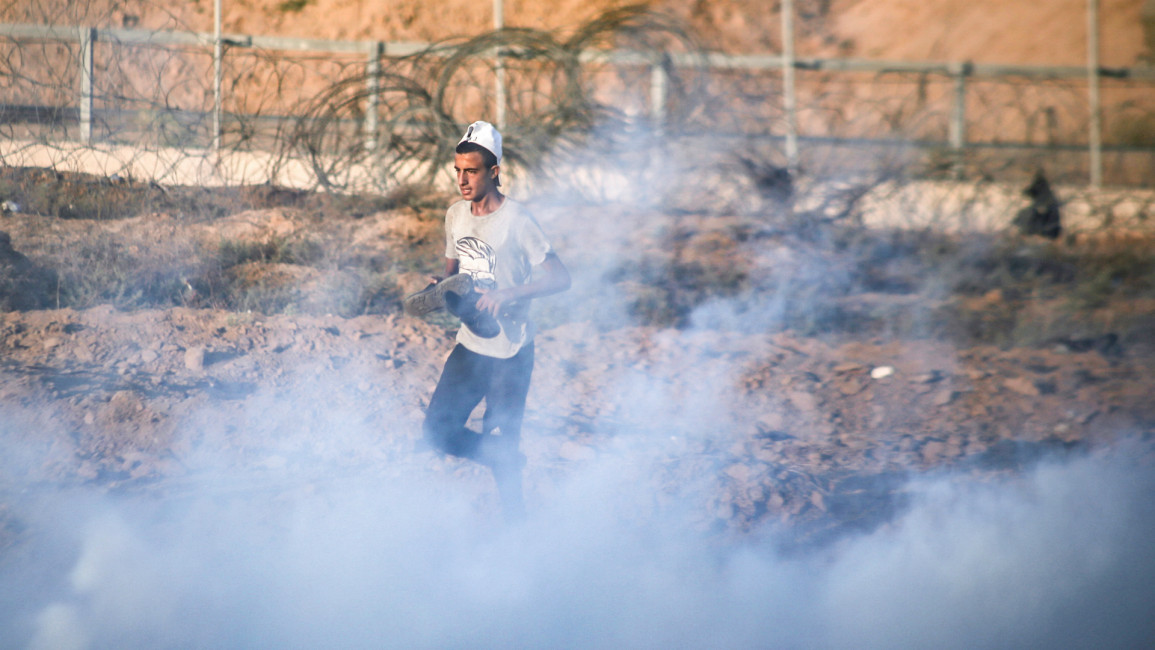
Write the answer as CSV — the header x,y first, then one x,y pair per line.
x,y
483,134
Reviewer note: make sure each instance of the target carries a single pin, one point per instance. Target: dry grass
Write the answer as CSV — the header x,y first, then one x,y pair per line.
x,y
141,247
149,247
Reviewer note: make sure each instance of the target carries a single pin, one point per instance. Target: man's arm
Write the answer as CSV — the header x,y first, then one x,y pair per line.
x,y
554,278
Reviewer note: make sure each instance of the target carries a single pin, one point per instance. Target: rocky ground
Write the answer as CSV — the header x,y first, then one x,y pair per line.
x,y
210,403
766,376
775,427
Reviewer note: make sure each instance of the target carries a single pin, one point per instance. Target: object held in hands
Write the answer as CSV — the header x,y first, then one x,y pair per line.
x,y
454,294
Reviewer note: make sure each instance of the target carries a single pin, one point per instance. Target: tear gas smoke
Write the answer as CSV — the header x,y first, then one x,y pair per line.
x,y
400,555
1060,557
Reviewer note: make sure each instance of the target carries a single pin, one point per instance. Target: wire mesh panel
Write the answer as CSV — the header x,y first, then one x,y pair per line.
x,y
39,81
625,86
152,94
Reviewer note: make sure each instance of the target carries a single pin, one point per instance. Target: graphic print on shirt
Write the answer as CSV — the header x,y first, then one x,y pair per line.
x,y
479,260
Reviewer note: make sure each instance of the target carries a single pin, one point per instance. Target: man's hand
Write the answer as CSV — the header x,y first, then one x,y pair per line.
x,y
555,278
492,300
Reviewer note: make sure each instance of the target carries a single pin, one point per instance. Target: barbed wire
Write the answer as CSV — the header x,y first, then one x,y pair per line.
x,y
339,122
551,103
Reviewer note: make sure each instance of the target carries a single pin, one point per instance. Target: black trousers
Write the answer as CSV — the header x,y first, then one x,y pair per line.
x,y
469,377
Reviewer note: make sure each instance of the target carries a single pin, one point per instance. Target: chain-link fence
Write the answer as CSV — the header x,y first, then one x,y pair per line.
x,y
630,84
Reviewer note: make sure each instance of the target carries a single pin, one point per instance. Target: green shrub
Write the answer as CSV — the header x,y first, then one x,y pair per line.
x,y
293,6
234,252
1133,130
103,270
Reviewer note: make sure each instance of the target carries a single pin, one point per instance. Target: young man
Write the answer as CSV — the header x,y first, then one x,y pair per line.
x,y
499,245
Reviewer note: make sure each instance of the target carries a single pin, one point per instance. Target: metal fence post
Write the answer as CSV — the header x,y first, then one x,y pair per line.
x,y
218,73
1095,139
659,85
373,87
499,67
87,75
958,118
958,115
789,101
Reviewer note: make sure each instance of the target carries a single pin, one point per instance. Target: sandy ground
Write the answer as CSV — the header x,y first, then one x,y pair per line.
x,y
769,419
166,461
771,426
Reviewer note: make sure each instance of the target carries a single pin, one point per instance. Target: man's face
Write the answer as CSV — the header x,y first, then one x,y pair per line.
x,y
473,179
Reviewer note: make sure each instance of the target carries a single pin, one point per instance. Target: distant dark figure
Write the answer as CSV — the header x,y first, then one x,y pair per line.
x,y
1106,344
10,257
775,186
771,181
23,284
1042,216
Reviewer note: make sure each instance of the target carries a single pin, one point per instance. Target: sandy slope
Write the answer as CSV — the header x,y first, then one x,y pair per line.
x,y
992,31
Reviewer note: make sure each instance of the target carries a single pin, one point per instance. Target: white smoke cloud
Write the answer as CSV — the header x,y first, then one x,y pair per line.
x,y
1059,557
393,554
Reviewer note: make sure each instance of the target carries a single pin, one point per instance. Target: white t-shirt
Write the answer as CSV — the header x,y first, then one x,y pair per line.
x,y
499,251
